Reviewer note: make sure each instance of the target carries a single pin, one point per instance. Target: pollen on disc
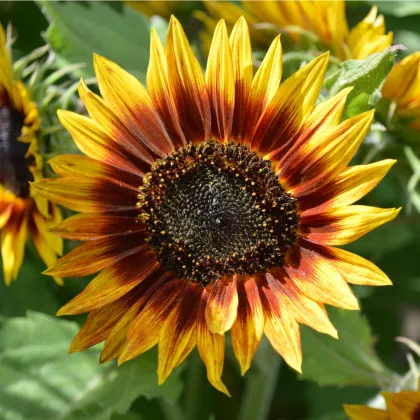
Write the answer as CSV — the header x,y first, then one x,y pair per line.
x,y
217,209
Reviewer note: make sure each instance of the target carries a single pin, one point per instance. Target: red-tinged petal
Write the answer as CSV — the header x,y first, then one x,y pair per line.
x,y
94,141
96,255
115,339
318,277
324,117
100,322
5,213
132,105
86,167
188,88
290,107
211,348
303,309
112,283
115,342
158,86
281,329
222,305
355,269
325,156
240,45
90,226
363,412
87,195
105,116
345,224
179,336
348,187
13,238
146,329
248,328
220,84
264,86
42,226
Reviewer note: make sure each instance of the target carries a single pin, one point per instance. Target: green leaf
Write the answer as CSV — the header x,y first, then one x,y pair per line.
x,y
398,8
366,77
79,29
350,360
40,381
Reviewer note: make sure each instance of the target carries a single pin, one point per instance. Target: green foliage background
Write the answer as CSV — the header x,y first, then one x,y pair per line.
x,y
39,381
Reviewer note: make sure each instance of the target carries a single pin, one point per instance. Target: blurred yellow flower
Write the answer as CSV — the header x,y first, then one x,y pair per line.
x,y
21,212
404,405
323,20
151,8
403,87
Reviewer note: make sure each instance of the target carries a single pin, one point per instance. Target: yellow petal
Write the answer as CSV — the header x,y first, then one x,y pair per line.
x,y
240,45
348,187
303,309
293,102
145,331
100,323
362,412
13,238
188,88
343,225
87,195
115,340
402,77
92,139
248,327
111,283
282,330
179,336
132,105
221,83
211,348
404,405
324,117
356,269
222,305
318,278
324,156
264,86
92,226
158,86
86,167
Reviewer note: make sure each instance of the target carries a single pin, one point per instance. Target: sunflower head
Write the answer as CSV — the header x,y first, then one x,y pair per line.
x,y
212,203
21,163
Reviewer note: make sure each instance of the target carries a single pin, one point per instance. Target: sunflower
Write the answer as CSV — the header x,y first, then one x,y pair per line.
x,y
322,21
21,212
212,203
404,405
402,86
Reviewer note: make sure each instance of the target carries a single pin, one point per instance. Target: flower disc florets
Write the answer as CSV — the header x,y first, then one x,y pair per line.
x,y
216,209
14,172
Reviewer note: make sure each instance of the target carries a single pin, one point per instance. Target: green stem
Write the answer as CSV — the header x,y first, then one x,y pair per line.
x,y
193,386
261,385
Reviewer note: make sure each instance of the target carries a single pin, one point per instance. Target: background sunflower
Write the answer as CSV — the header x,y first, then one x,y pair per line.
x,y
40,381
